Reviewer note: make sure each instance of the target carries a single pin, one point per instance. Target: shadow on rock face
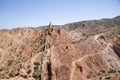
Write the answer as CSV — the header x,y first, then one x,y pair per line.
x,y
49,71
116,49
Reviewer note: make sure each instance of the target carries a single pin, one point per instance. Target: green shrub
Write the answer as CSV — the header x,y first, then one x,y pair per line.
x,y
12,74
9,63
36,63
28,66
36,68
36,76
29,71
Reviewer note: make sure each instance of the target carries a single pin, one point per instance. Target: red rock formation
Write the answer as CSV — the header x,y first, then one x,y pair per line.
x,y
55,53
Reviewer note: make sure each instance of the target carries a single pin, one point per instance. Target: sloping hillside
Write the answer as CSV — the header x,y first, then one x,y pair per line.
x,y
87,50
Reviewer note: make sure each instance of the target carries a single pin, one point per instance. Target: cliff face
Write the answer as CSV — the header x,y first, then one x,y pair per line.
x,y
88,50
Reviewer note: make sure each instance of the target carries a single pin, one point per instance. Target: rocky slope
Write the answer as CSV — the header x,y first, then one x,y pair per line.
x,y
87,50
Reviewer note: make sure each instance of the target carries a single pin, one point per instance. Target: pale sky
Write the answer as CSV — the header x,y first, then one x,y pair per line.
x,y
34,13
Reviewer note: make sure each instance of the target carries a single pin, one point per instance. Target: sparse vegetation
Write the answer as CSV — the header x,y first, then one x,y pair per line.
x,y
29,71
90,75
42,48
112,71
54,37
19,59
11,74
101,74
36,68
107,78
9,62
36,76
98,74
36,63
47,46
118,71
1,69
102,71
43,38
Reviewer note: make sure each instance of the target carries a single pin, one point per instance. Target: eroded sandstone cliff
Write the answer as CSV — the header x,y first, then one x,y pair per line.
x,y
88,50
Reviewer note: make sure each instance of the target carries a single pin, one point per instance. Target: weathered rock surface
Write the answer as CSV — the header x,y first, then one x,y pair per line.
x,y
88,50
